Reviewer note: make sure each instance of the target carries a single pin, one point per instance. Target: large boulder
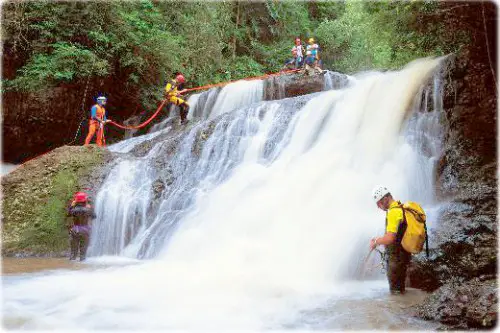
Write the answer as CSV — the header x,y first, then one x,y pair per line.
x,y
36,194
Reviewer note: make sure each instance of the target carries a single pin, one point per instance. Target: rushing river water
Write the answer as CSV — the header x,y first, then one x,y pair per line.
x,y
260,225
362,305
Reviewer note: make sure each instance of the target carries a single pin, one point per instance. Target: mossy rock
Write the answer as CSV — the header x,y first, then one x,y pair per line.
x,y
36,194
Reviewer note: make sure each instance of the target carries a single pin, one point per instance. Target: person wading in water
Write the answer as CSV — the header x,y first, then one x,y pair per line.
x,y
79,230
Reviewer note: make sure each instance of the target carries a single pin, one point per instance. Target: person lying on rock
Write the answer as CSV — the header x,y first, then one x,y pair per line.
x,y
79,230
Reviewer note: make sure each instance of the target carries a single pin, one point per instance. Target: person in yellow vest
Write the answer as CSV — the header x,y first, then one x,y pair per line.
x,y
97,121
173,89
397,257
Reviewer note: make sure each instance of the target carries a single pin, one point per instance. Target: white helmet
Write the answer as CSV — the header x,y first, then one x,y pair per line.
x,y
379,192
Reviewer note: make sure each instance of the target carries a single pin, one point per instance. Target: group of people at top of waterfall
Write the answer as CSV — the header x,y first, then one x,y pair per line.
x,y
311,63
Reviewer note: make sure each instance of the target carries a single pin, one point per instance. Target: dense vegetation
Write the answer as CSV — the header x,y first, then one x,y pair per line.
x,y
144,42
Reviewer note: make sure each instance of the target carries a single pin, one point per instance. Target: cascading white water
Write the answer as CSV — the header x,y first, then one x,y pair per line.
x,y
217,101
7,167
335,80
255,225
230,97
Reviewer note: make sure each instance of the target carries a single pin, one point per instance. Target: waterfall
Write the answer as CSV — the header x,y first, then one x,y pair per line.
x,y
230,97
216,101
7,167
335,80
260,211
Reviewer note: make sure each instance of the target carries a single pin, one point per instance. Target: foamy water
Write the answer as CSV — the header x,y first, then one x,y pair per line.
x,y
267,223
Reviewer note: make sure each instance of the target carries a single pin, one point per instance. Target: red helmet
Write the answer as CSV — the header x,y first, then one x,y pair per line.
x,y
81,197
180,78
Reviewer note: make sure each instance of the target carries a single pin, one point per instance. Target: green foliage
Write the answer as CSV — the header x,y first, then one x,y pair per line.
x,y
326,10
383,35
65,62
144,42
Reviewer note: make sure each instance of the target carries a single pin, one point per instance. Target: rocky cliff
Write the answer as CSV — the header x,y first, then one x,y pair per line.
x,y
462,268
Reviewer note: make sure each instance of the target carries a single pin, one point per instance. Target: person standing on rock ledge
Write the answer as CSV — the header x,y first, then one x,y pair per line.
x,y
97,122
398,258
79,231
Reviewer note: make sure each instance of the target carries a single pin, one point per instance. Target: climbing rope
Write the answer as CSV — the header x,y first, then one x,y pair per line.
x,y
199,88
83,111
260,77
488,49
83,105
157,110
364,267
144,123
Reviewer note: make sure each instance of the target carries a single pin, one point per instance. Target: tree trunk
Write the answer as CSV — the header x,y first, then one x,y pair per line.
x,y
237,25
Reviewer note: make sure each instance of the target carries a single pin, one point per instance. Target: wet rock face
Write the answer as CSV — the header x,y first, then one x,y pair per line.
x,y
464,243
465,240
291,85
34,123
463,305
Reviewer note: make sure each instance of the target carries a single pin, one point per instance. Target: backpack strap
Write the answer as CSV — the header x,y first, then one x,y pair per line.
x,y
426,241
419,219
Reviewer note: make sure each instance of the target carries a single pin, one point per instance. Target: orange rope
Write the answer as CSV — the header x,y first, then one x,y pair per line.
x,y
164,101
144,123
248,79
199,88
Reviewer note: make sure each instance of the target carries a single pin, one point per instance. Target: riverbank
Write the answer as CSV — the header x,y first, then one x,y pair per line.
x,y
14,266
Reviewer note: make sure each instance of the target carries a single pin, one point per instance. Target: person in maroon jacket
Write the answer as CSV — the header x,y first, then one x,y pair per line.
x,y
79,230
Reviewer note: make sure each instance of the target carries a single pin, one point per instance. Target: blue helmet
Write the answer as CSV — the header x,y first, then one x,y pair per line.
x,y
101,99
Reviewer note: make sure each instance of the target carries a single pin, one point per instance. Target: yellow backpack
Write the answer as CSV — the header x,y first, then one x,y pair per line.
x,y
416,230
